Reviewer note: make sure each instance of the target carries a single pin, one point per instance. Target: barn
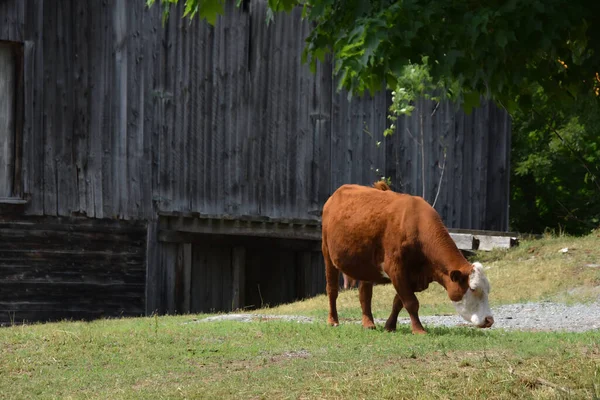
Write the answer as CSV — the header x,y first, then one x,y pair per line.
x,y
149,168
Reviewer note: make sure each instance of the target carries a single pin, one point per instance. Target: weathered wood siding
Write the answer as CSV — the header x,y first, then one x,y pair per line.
x,y
12,20
56,268
8,103
125,117
466,162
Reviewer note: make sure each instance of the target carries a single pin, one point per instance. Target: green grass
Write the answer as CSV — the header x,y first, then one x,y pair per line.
x,y
176,357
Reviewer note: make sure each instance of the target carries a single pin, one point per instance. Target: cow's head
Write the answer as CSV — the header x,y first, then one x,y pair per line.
x,y
473,306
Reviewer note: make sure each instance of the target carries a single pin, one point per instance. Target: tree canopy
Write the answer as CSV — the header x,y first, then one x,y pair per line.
x,y
506,50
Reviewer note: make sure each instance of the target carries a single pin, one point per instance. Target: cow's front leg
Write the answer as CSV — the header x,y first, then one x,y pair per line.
x,y
392,321
411,303
365,292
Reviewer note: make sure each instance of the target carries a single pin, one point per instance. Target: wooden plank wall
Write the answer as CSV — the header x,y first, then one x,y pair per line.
x,y
57,268
466,158
124,117
12,20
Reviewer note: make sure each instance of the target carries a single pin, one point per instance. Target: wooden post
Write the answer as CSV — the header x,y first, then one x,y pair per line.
x,y
152,268
303,274
183,278
187,277
238,261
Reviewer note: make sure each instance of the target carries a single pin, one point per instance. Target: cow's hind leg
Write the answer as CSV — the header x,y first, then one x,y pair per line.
x,y
392,321
365,292
332,275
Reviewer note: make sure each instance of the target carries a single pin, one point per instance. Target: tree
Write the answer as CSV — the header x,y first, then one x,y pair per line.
x,y
555,167
506,50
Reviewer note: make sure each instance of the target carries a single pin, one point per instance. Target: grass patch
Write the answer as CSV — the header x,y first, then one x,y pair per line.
x,y
136,358
175,357
538,270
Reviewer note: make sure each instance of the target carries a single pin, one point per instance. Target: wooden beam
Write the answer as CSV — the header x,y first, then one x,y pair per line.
x,y
487,243
200,229
463,241
220,240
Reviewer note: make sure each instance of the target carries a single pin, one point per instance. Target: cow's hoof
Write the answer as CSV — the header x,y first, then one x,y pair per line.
x,y
419,332
390,328
368,323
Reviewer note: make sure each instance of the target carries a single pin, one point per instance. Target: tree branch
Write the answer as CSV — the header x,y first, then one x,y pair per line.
x,y
440,182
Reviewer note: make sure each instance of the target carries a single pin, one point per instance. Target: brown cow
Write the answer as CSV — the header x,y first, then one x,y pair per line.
x,y
377,236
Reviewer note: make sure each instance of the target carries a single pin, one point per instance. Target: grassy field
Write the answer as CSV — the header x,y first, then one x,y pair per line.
x,y
177,357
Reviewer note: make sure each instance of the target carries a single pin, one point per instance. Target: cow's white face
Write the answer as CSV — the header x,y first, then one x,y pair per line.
x,y
474,306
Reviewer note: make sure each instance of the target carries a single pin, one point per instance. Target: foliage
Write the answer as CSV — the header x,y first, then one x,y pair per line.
x,y
503,49
556,167
205,9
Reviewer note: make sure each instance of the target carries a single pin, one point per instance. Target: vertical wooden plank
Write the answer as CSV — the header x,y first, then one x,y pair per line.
x,y
303,272
446,117
168,259
8,100
152,31
12,20
153,277
458,190
81,107
136,83
97,113
34,104
67,199
209,114
28,118
19,121
187,277
238,262
197,300
180,111
50,108
321,161
223,269
497,200
318,274
179,288
469,174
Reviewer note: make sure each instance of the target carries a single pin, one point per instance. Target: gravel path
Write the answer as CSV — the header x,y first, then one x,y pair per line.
x,y
544,316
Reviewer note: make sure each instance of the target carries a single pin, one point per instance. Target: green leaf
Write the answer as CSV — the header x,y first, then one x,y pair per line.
x,y
470,101
501,39
210,10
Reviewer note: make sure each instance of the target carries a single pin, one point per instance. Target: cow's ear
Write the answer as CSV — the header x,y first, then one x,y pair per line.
x,y
456,276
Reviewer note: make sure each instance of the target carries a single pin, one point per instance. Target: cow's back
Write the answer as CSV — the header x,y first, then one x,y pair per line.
x,y
361,223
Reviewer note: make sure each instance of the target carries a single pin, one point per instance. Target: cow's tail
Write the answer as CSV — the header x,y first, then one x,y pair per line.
x,y
381,185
